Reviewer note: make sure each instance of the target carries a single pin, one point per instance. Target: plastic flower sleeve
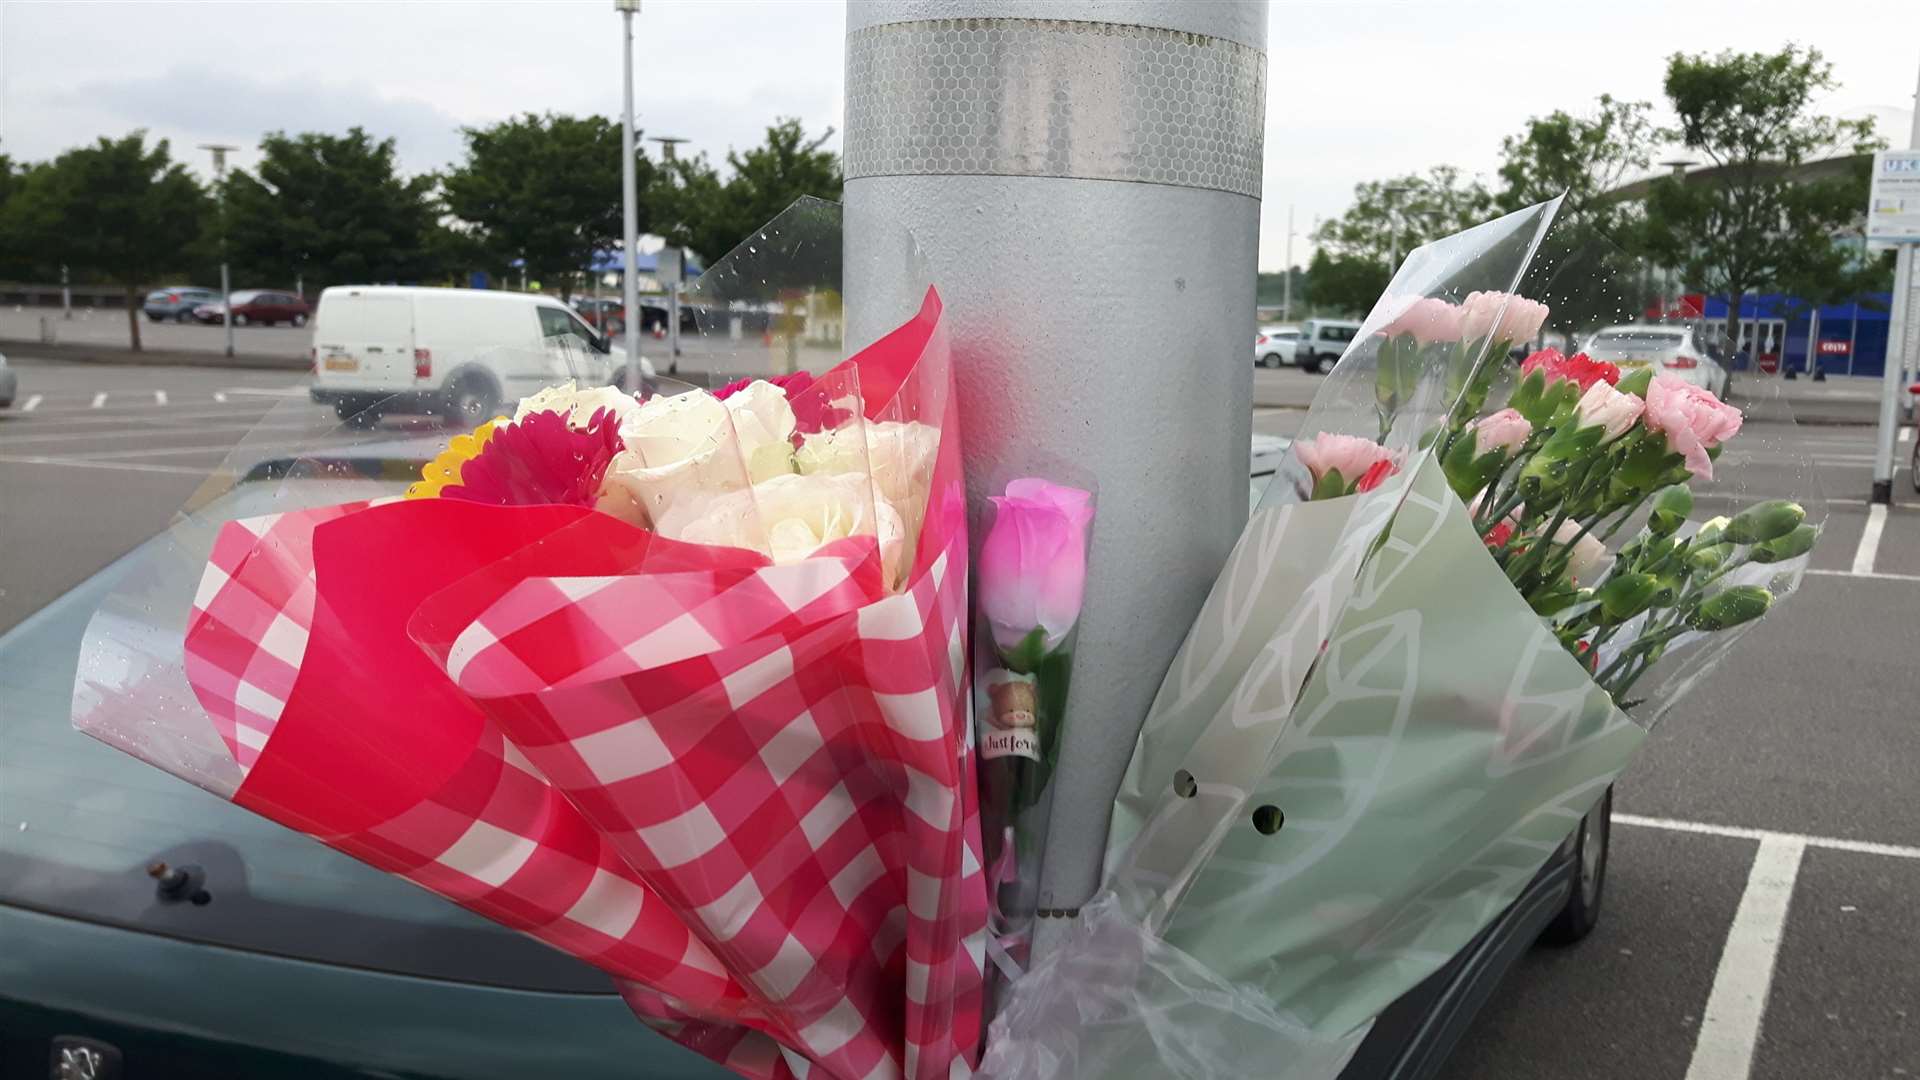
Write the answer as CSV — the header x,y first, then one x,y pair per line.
x,y
461,687
1591,285
1030,583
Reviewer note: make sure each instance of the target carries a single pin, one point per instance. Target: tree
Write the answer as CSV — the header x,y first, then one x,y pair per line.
x,y
118,211
546,190
1389,218
1584,157
1345,283
712,216
331,209
1751,222
15,260
1583,269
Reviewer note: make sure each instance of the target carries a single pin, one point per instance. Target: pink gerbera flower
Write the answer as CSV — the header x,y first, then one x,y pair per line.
x,y
541,460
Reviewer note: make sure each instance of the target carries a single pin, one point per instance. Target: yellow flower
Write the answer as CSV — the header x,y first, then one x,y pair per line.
x,y
444,469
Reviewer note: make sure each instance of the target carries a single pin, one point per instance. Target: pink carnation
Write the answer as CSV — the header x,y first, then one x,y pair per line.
x,y
1362,463
1579,368
1692,419
1505,430
1507,317
1612,410
1429,320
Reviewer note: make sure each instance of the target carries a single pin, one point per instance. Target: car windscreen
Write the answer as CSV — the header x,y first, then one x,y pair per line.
x,y
81,823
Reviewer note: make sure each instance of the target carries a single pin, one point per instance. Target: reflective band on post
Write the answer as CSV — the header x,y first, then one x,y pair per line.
x,y
1051,97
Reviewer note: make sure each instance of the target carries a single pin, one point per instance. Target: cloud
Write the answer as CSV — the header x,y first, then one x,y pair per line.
x,y
230,106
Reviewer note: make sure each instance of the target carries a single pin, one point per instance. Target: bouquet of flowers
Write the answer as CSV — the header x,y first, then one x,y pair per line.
x,y
675,684
1421,666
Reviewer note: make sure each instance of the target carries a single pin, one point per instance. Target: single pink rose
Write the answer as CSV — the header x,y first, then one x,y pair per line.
x,y
1429,320
1692,419
1505,430
1357,459
1033,565
1604,407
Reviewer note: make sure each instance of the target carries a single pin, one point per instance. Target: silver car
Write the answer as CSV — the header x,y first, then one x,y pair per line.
x,y
9,385
1669,350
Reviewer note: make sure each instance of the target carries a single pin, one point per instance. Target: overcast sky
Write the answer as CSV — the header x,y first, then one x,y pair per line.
x,y
1356,90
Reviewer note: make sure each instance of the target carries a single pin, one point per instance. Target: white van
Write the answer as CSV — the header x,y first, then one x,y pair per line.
x,y
465,354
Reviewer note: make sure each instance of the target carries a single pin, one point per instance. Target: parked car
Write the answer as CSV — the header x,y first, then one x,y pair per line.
x,y
1273,345
9,383
258,307
1674,350
178,302
461,353
303,962
1321,342
610,316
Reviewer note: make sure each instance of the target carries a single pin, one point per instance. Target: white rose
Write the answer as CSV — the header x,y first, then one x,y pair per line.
x,y
792,516
763,422
578,406
677,448
899,457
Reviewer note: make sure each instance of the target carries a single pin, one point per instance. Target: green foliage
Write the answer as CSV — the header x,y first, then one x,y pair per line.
x,y
1270,289
545,189
118,210
334,210
1391,217
711,216
1750,224
1348,284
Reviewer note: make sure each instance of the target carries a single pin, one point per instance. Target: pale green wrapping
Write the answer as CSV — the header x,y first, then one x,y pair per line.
x,y
1444,745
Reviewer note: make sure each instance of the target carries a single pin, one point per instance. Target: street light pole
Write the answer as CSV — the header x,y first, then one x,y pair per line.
x,y
1900,321
226,285
667,143
1286,279
629,201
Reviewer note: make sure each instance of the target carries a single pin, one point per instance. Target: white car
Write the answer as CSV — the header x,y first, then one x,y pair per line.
x,y
1273,345
462,353
1669,350
1321,343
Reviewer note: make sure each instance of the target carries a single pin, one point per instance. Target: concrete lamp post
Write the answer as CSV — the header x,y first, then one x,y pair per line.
x,y
1084,180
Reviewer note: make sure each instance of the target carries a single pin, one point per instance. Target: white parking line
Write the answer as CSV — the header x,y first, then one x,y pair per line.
x,y
1906,433
31,403
268,391
1730,1026
1863,555
125,466
1876,575
1738,832
159,397
99,399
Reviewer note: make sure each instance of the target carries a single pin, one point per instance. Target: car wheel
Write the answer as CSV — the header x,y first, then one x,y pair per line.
x,y
1271,360
1590,845
472,402
239,319
1913,468
183,316
155,318
299,320
1311,365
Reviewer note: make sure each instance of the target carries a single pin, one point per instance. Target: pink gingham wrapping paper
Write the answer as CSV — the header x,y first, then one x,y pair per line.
x,y
802,798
